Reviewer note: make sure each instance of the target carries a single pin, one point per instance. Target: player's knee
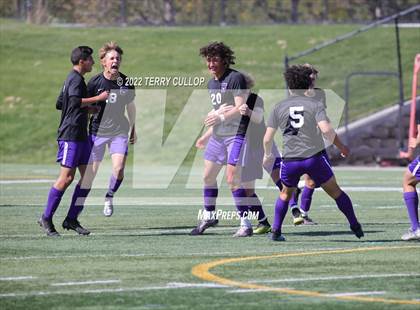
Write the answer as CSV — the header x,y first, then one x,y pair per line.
x,y
310,184
119,172
208,180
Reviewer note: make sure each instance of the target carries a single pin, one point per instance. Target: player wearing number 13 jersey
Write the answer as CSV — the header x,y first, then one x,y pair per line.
x,y
302,122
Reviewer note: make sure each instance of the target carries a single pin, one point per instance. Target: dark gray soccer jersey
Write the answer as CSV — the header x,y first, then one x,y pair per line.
x,y
111,120
74,118
223,91
297,118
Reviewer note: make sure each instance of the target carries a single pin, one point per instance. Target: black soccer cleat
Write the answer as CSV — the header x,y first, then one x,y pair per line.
x,y
202,226
74,224
276,236
357,230
48,227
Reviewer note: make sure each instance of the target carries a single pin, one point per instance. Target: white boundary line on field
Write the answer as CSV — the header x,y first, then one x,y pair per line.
x,y
86,282
332,278
174,285
159,255
17,278
357,293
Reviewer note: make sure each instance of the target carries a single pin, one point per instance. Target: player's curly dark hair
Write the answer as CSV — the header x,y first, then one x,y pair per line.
x,y
219,49
298,77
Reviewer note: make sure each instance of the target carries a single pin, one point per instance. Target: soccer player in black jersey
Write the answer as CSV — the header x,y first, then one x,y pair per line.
x,y
73,143
110,127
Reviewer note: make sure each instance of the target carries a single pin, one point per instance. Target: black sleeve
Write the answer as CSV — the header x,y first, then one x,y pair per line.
x,y
59,103
238,85
75,88
91,89
75,101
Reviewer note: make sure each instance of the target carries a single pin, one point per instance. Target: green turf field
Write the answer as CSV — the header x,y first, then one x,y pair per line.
x,y
35,61
143,258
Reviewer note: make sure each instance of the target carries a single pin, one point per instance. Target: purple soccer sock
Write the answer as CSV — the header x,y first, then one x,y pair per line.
x,y
306,198
54,198
210,194
114,184
77,202
239,196
294,200
344,204
412,202
256,206
280,211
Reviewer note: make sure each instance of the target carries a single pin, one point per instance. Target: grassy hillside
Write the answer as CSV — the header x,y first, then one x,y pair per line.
x,y
35,60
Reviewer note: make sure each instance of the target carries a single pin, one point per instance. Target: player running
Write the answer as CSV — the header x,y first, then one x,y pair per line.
x,y
227,87
301,121
110,127
73,144
410,180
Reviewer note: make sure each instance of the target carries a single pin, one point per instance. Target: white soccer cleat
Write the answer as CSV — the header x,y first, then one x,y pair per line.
x,y
108,207
244,231
411,235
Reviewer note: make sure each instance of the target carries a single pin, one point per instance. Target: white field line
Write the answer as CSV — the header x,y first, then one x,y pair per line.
x,y
333,278
17,278
86,282
169,286
148,231
212,254
357,293
254,290
33,181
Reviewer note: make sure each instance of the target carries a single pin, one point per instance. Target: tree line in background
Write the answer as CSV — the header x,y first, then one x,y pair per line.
x,y
203,12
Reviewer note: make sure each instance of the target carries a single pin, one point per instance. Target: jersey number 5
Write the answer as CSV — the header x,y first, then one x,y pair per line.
x,y
296,115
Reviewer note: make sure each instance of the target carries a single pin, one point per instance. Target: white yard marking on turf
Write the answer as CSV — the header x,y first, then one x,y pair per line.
x,y
333,278
17,278
150,255
169,286
357,294
26,181
246,290
85,282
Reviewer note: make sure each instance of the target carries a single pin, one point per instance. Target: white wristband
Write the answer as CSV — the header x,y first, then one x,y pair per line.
x,y
222,117
268,156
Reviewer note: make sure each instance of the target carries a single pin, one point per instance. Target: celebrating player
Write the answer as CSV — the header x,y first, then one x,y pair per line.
x,y
299,118
253,121
110,126
227,87
410,180
73,144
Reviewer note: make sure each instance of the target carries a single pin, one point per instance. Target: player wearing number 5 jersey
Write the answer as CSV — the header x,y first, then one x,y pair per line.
x,y
302,122
110,127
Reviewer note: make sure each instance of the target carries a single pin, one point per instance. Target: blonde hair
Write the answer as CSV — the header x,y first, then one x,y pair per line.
x,y
109,46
